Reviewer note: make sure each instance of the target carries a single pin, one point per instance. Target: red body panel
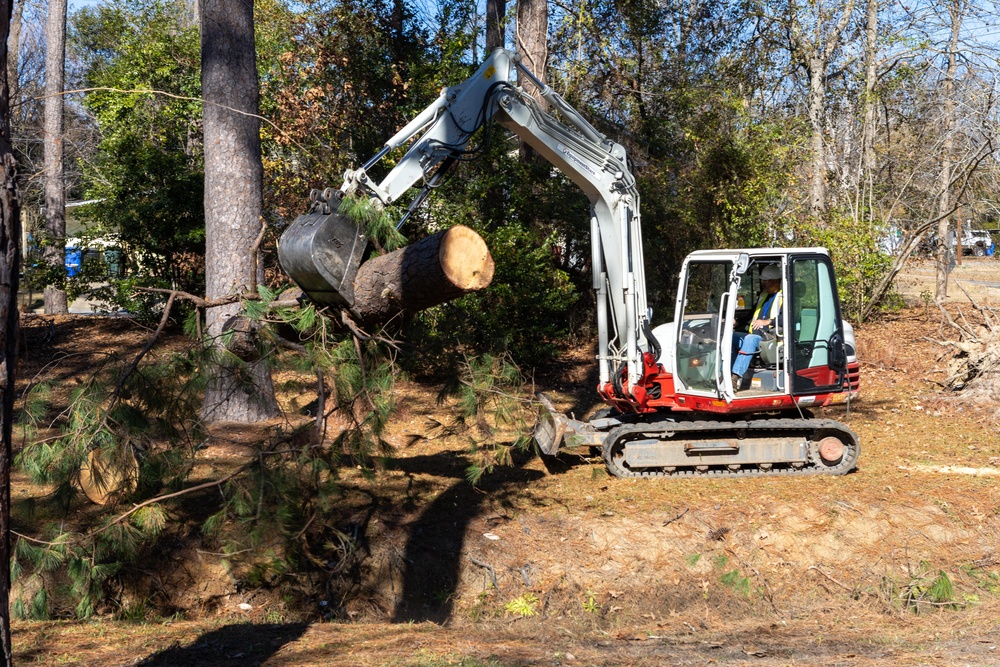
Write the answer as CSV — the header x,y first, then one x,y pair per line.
x,y
656,393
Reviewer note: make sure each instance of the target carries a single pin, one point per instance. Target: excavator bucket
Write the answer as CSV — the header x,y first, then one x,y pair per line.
x,y
321,252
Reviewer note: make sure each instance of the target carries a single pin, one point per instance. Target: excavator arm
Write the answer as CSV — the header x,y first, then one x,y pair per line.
x,y
439,137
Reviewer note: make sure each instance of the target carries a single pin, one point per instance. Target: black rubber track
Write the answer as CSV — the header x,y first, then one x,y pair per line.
x,y
680,432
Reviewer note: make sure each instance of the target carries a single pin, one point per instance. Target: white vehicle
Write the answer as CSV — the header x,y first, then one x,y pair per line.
x,y
976,242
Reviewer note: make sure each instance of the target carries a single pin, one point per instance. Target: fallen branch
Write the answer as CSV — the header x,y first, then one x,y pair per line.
x,y
676,518
844,586
488,568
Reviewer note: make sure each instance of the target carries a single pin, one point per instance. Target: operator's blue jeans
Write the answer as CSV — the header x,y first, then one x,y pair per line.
x,y
745,345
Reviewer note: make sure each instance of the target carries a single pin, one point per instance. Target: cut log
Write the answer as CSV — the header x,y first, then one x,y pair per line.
x,y
107,477
427,273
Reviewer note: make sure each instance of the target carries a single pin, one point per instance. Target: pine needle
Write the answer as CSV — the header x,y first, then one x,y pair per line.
x,y
377,224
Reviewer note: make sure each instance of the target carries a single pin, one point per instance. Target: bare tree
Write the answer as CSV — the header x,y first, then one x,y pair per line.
x,y
814,49
956,11
865,182
10,253
55,188
239,391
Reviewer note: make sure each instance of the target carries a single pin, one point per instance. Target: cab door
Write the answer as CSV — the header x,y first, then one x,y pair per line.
x,y
706,307
817,355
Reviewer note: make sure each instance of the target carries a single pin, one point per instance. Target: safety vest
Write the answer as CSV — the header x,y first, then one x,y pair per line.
x,y
772,310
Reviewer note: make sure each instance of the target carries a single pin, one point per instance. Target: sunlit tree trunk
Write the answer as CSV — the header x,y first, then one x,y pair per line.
x,y
814,51
237,392
55,188
14,48
956,9
864,199
10,253
531,41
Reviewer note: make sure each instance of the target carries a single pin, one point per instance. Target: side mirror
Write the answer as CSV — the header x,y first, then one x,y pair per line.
x,y
742,264
838,355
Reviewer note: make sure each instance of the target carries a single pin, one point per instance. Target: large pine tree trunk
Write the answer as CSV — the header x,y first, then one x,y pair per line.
x,y
10,254
532,42
55,190
238,392
431,271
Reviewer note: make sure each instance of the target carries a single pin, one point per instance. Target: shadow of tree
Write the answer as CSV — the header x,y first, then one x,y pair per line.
x,y
432,558
245,644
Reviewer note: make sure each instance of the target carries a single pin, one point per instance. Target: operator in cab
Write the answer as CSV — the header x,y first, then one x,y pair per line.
x,y
763,324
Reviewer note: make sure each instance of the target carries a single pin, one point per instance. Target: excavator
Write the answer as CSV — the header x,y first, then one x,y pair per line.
x,y
673,406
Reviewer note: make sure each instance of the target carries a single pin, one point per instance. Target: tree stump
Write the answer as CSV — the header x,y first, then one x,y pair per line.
x,y
427,273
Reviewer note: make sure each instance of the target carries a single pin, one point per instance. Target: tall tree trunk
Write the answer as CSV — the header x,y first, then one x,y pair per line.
x,y
532,35
942,253
233,202
815,52
14,50
10,254
55,188
864,196
817,124
496,10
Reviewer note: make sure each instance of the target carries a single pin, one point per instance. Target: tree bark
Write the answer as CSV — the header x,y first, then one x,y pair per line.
x,y
942,253
10,254
495,13
236,391
431,271
531,42
817,118
866,176
55,189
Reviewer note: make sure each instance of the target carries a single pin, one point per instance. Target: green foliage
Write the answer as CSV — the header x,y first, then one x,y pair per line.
x,y
117,413
534,230
334,78
265,518
854,247
488,390
377,224
923,590
941,590
270,510
987,580
523,606
141,63
737,582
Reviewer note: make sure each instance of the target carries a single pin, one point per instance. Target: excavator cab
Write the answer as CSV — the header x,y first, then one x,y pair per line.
x,y
805,351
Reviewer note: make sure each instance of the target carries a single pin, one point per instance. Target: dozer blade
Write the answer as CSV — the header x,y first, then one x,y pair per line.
x,y
321,252
553,429
550,427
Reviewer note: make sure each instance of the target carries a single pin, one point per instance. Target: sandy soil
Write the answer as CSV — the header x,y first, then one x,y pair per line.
x,y
558,564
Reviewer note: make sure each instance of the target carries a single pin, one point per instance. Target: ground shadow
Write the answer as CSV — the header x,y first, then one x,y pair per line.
x,y
432,558
243,645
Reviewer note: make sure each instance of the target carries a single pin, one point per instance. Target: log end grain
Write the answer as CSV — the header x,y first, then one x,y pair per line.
x,y
465,259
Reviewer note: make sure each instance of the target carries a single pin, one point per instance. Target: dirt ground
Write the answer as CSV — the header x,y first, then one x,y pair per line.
x,y
561,564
